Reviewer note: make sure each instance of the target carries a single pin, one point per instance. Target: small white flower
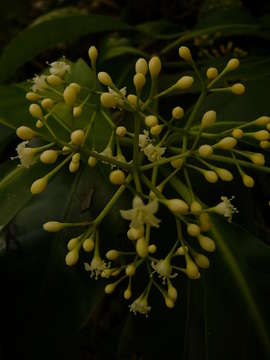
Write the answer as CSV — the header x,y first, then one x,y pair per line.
x,y
26,155
226,208
96,267
118,97
59,68
144,139
141,214
39,83
140,305
154,153
164,269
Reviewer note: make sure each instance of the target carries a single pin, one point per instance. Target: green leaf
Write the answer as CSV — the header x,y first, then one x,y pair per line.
x,y
47,34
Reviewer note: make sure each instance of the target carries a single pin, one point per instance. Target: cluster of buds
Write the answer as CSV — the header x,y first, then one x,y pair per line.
x,y
144,159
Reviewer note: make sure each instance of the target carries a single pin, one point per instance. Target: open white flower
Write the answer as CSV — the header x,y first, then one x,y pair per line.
x,y
164,269
226,208
26,155
59,68
140,305
118,97
39,83
144,139
96,267
154,153
141,214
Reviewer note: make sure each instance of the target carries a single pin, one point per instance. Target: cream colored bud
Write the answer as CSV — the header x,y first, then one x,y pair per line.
x,y
177,206
172,292
135,233
47,103
70,95
132,99
154,66
39,185
72,257
192,270
93,55
212,73
121,131
141,66
152,249
139,81
76,87
92,161
226,143
88,244
76,158
205,223
262,120
177,112
237,133
206,243
202,261
261,135
74,166
156,130
25,133
265,144
141,247
108,100
77,111
36,111
31,96
105,79
66,149
177,163
208,119
195,207
53,226
109,289
238,89
39,124
193,230
151,120
130,270
49,156
185,53
54,80
224,174
257,159
248,181
72,243
182,250
117,177
232,64
205,150
77,137
169,302
185,82
112,254
210,176
127,294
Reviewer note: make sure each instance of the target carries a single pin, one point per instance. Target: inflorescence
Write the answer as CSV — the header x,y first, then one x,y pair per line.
x,y
137,157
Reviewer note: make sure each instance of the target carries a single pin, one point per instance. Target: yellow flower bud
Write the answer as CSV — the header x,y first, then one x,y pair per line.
x,y
237,133
202,261
54,80
195,207
265,144
257,159
72,257
262,120
31,96
205,150
151,120
152,249
226,143
232,64
39,124
261,135
108,100
177,206
77,111
76,87
25,133
139,81
141,247
132,99
49,156
70,95
130,270
210,176
185,53
177,112
72,243
92,161
109,289
192,270
205,223
169,302
206,243
238,89
117,177
77,137
212,73
53,226
156,130
208,119
35,111
112,254
224,174
74,166
88,244
93,55
182,250
39,185
193,230
121,131
105,79
248,181
177,163
127,294
135,233
141,66
154,66
76,158
47,103
185,82
172,292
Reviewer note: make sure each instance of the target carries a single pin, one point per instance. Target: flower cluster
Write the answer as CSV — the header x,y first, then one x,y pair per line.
x,y
146,158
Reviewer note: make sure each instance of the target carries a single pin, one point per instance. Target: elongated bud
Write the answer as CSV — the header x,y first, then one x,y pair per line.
x,y
224,174
141,247
141,66
76,158
226,143
74,166
53,226
36,111
117,177
112,254
25,133
49,156
238,89
208,119
47,103
31,96
202,261
185,53
177,112
195,207
262,120
54,80
206,243
88,244
177,206
77,111
185,82
212,73
76,87
210,176
93,55
72,257
172,292
121,131
261,135
248,181
92,161
127,294
70,95
205,223
205,150
265,144
232,64
237,133
39,185
154,66
105,79
73,243
192,270
109,289
77,137
131,270
169,302
139,81
193,230
108,100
